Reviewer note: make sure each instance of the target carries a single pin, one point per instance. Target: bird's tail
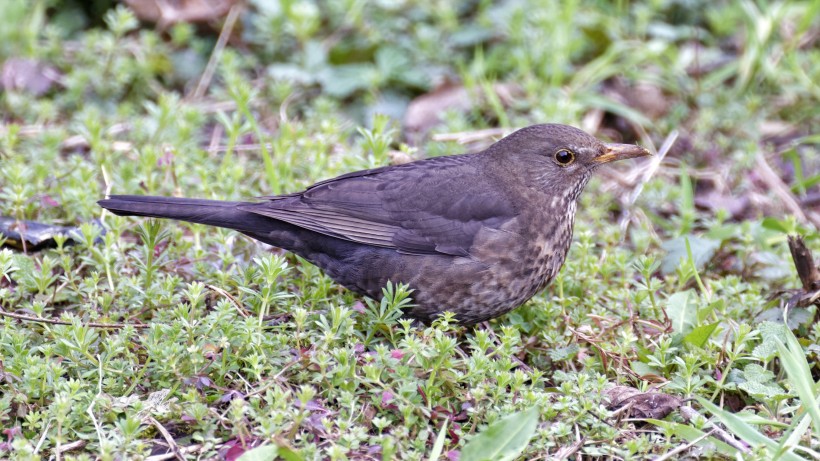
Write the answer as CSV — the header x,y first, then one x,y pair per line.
x,y
210,212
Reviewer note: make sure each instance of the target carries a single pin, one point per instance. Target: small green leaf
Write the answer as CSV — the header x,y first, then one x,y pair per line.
x,y
503,440
718,305
564,353
760,384
770,332
643,369
702,251
797,317
699,335
263,453
682,311
344,80
785,226
765,351
391,60
756,373
288,454
764,392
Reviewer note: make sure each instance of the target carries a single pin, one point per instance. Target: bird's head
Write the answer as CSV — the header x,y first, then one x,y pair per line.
x,y
557,159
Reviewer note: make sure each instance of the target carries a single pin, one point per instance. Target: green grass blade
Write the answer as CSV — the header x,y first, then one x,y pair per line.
x,y
435,453
505,439
797,369
747,433
792,437
690,434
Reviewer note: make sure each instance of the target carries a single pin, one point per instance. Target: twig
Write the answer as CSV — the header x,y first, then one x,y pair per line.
x,y
233,300
238,148
213,61
212,107
566,452
58,449
216,135
42,437
31,318
467,137
283,108
182,451
647,174
489,328
674,453
107,188
90,409
768,175
172,445
271,381
689,414
71,446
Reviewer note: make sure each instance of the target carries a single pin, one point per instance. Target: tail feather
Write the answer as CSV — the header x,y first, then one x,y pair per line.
x,y
210,212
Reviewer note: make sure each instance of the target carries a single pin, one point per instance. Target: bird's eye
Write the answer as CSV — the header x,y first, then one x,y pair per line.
x,y
564,157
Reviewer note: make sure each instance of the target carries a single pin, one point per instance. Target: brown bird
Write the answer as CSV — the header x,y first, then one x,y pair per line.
x,y
475,234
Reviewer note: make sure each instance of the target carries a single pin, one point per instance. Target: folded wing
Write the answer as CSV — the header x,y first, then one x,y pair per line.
x,y
402,207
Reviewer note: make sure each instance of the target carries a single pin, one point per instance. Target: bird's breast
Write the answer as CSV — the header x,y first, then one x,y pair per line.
x,y
526,254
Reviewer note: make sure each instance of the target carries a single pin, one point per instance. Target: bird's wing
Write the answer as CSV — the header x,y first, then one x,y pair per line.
x,y
436,206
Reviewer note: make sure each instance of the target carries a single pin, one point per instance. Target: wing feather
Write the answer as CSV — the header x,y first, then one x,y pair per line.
x,y
434,206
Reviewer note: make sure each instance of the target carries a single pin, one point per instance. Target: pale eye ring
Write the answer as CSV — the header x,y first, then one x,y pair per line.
x,y
564,157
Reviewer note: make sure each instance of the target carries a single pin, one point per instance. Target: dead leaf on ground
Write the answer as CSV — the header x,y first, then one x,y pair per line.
x,y
643,97
425,111
28,75
736,206
398,157
33,236
641,405
648,98
166,12
78,143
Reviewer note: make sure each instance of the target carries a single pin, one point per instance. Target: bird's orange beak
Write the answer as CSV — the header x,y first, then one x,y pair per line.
x,y
615,152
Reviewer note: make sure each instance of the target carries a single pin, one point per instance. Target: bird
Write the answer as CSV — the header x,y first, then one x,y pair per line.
x,y
476,234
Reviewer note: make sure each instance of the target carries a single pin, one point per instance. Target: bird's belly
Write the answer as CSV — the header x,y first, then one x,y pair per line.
x,y
489,284
476,291
502,272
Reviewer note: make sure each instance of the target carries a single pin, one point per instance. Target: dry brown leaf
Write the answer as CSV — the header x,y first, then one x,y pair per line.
x,y
642,405
646,97
28,75
34,236
425,111
714,201
167,12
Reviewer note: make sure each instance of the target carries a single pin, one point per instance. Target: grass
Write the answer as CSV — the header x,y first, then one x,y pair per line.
x,y
222,344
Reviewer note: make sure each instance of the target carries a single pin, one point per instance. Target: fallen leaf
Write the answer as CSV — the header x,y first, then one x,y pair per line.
x,y
34,236
714,201
642,405
28,76
647,97
175,11
425,111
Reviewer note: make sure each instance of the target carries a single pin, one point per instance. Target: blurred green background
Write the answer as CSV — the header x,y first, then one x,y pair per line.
x,y
679,281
